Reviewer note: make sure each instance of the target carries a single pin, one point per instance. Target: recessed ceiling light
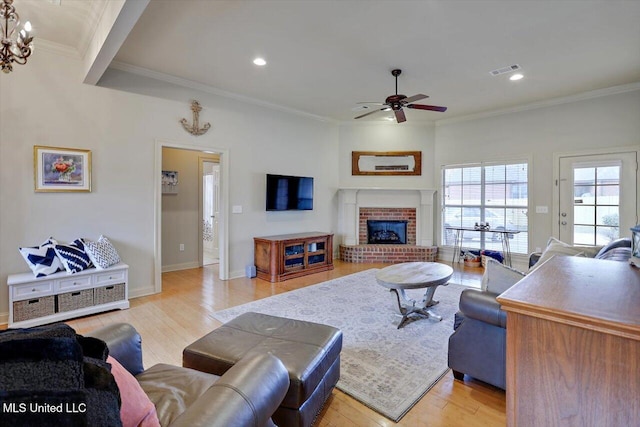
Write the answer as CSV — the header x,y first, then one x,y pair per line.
x,y
260,62
516,77
390,118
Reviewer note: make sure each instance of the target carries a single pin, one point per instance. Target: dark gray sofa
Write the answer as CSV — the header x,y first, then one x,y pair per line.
x,y
246,395
477,346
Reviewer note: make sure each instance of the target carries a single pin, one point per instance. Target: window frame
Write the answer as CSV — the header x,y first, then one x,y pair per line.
x,y
482,206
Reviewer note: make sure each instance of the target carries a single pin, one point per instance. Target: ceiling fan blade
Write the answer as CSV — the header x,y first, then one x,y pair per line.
x,y
400,116
414,98
427,107
371,112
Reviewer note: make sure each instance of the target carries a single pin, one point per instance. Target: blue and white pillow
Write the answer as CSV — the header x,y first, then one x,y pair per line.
x,y
42,260
102,253
73,256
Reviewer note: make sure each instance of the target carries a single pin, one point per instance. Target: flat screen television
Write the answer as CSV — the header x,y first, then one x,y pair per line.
x,y
289,193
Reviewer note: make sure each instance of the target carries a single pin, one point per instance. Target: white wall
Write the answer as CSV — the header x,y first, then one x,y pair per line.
x,y
44,103
607,121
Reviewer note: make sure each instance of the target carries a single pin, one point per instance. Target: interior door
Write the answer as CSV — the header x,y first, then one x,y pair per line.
x,y
210,212
597,197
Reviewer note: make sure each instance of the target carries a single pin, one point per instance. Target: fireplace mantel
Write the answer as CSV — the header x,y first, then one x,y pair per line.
x,y
352,199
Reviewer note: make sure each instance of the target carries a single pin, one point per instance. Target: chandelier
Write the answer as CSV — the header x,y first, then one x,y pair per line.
x,y
16,44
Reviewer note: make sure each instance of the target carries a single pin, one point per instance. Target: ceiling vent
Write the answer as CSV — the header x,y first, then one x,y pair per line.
x,y
504,70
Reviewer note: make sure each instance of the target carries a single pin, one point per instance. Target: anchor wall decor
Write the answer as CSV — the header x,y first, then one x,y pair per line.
x,y
194,128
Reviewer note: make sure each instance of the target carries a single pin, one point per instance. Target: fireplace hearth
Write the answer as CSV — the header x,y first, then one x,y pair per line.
x,y
387,232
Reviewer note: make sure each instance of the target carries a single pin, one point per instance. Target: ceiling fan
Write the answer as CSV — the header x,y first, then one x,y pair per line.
x,y
397,102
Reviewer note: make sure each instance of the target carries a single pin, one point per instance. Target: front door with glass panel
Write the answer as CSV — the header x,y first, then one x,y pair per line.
x,y
597,198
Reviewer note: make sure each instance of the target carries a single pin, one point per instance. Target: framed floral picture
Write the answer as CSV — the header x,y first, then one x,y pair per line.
x,y
61,169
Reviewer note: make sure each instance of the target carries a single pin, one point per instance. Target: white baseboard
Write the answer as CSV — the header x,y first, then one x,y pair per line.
x,y
4,318
178,267
237,274
146,291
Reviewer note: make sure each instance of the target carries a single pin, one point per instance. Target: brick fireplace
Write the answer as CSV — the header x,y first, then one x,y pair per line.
x,y
415,207
390,214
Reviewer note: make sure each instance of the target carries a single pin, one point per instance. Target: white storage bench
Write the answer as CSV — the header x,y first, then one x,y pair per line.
x,y
39,300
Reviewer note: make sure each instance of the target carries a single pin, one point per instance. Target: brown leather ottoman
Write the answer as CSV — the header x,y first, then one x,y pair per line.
x,y
309,351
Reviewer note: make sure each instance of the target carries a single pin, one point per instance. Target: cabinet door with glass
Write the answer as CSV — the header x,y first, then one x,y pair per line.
x,y
294,255
316,251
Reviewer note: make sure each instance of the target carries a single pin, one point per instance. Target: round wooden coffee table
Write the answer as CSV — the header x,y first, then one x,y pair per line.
x,y
415,275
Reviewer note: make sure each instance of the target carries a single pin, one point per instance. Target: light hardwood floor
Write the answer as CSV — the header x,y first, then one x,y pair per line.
x,y
179,315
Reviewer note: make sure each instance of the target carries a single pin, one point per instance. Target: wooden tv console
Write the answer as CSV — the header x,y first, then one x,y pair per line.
x,y
573,344
286,256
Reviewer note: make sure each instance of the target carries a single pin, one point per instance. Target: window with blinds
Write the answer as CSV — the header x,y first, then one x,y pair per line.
x,y
483,193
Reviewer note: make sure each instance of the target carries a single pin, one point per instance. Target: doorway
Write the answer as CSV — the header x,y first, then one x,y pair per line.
x,y
210,205
596,197
223,197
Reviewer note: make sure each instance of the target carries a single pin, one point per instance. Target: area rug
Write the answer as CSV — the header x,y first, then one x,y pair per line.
x,y
385,368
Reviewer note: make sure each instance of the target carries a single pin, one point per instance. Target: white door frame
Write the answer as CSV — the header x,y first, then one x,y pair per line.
x,y
201,160
223,224
594,152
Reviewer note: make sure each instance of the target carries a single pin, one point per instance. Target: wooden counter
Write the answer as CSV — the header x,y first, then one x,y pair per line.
x,y
573,344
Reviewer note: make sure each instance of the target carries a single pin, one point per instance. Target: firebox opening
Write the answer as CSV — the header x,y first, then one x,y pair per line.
x,y
387,232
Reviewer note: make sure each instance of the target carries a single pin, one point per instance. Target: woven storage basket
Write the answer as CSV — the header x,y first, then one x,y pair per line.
x,y
75,300
33,308
109,293
471,263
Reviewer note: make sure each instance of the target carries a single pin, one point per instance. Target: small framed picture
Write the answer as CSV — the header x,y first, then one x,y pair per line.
x,y
61,169
169,182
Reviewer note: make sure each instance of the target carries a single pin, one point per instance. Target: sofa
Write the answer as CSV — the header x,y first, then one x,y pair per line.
x,y
246,395
477,345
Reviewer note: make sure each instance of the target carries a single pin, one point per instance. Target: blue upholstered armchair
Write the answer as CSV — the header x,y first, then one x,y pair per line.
x,y
477,346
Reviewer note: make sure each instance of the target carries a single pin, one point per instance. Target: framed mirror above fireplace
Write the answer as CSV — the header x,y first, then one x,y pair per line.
x,y
386,163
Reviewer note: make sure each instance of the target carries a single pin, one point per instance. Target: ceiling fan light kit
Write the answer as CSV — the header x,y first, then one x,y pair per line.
x,y
398,101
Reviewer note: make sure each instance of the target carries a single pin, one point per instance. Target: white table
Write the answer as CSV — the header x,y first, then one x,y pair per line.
x,y
415,275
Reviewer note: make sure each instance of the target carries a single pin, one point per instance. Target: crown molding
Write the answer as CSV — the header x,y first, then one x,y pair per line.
x,y
630,87
369,123
190,84
56,48
98,10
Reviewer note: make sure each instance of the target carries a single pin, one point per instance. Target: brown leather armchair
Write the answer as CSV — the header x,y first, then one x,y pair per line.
x,y
246,395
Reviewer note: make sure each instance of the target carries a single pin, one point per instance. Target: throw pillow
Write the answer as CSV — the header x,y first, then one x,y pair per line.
x,y
102,253
558,247
73,256
498,277
136,409
42,260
